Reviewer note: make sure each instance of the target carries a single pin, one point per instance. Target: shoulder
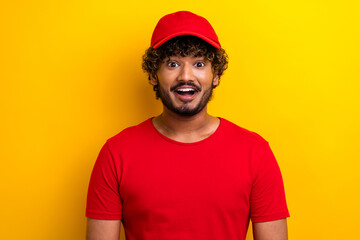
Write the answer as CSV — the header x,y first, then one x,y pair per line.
x,y
131,135
234,132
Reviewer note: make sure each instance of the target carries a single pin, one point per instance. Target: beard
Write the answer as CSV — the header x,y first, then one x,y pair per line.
x,y
185,110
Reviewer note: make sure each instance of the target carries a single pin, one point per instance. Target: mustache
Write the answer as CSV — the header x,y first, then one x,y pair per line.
x,y
180,84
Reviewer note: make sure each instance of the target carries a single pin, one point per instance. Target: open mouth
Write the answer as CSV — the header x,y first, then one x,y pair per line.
x,y
185,91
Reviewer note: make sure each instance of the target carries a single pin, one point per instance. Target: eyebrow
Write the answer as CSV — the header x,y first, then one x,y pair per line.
x,y
203,58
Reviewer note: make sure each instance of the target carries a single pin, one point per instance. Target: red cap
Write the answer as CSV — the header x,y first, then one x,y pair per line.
x,y
183,23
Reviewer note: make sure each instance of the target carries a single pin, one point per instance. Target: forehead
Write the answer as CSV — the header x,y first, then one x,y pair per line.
x,y
185,58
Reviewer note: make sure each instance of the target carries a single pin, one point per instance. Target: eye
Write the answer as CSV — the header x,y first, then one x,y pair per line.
x,y
199,64
172,64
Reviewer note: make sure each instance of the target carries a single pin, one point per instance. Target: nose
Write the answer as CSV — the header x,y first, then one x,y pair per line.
x,y
186,73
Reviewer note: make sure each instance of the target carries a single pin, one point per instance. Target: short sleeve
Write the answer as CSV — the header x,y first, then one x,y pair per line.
x,y
267,199
103,199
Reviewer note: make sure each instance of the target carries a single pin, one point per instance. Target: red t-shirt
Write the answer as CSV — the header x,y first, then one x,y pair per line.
x,y
164,189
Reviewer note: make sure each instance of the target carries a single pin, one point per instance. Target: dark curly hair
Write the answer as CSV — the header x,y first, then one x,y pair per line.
x,y
183,46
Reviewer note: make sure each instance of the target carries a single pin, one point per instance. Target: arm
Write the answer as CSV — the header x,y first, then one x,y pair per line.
x,y
102,229
273,230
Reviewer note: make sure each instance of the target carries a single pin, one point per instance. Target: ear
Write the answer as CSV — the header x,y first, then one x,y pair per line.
x,y
153,80
215,80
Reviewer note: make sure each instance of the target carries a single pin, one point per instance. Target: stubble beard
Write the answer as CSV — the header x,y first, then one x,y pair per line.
x,y
185,110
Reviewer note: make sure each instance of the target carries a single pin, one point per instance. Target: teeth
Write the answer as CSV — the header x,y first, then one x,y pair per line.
x,y
185,90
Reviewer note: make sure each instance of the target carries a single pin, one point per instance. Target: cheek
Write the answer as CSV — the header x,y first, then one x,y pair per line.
x,y
206,78
165,79
205,75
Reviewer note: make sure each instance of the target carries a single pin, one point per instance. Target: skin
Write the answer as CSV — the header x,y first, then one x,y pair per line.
x,y
102,229
185,129
110,230
273,230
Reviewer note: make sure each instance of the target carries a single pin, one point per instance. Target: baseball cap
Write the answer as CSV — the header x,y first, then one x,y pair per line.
x,y
183,23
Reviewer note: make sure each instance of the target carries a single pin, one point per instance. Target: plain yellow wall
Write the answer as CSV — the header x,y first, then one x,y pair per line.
x,y
71,77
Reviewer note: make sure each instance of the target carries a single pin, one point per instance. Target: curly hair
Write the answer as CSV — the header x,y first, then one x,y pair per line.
x,y
183,46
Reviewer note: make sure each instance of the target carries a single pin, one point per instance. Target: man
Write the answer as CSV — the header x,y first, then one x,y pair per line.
x,y
185,174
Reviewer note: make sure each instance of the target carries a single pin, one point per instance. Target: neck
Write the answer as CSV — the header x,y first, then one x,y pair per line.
x,y
186,128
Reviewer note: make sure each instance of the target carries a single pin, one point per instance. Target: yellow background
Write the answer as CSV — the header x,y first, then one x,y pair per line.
x,y
71,78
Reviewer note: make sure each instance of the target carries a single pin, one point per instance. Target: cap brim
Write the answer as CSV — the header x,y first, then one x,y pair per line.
x,y
208,40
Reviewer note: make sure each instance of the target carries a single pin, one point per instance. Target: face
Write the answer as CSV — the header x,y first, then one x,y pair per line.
x,y
185,84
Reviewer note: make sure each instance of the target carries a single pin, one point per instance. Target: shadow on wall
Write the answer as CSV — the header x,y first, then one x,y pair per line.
x,y
127,99
133,98
149,106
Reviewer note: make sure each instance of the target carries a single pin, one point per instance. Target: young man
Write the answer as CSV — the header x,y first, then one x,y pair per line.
x,y
184,174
